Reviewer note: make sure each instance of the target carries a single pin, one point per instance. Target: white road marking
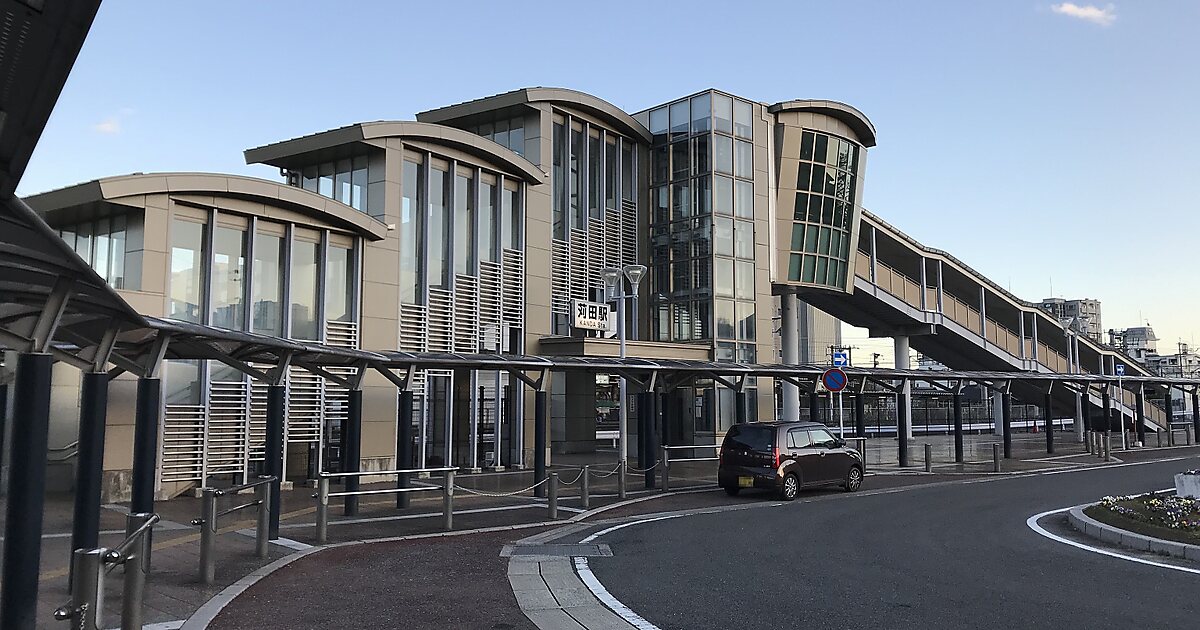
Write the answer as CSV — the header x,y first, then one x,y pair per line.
x,y
606,598
1032,522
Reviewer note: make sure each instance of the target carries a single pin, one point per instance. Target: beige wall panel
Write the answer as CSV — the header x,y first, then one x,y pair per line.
x,y
380,333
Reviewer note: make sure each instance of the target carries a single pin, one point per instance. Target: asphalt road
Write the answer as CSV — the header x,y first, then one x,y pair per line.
x,y
948,556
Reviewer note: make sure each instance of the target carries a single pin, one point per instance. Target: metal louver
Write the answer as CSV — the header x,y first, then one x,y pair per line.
x,y
466,303
560,267
579,265
183,443
490,311
440,329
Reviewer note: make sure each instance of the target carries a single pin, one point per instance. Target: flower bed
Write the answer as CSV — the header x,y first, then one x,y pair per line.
x,y
1156,514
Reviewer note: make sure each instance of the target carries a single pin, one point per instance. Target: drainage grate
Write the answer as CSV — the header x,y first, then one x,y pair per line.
x,y
590,550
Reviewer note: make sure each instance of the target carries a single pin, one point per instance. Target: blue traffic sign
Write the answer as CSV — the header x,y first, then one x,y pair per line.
x,y
1120,369
841,358
834,379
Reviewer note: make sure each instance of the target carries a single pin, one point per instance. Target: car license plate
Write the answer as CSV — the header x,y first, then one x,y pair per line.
x,y
745,482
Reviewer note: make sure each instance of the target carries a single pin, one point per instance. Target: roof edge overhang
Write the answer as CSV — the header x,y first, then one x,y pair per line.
x,y
620,119
852,117
283,154
116,189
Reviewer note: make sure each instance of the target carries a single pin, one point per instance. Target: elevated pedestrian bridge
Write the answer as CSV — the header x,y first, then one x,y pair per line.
x,y
955,315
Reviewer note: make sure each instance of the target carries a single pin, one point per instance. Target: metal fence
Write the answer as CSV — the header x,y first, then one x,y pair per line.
x,y
210,517
91,567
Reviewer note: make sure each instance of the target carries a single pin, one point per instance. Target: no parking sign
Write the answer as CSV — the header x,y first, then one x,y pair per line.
x,y
834,379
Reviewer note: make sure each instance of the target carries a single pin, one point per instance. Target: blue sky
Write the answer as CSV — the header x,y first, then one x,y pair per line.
x,y
1042,144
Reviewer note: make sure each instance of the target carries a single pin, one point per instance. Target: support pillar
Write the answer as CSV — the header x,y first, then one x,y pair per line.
x,y
147,419
540,422
644,402
1006,413
958,426
352,448
1080,424
1196,413
26,493
860,415
814,405
273,451
1048,418
1170,417
89,468
1107,412
901,359
790,346
997,412
903,429
661,414
404,435
739,401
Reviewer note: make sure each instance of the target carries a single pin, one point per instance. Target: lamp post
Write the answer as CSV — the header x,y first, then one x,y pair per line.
x,y
614,285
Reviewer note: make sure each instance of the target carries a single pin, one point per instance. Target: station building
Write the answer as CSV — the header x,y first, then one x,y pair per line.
x,y
473,229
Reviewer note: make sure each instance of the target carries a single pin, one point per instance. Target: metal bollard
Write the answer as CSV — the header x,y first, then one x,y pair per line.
x,y
137,567
322,510
1187,434
448,501
208,536
666,470
995,458
1170,435
262,529
552,495
928,458
1108,447
1087,442
1158,434
621,480
87,591
585,495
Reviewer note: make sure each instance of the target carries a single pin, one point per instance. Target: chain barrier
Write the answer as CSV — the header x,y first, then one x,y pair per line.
x,y
607,474
646,470
500,494
573,481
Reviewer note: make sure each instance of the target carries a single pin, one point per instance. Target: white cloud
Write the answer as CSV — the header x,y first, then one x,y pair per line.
x,y
1087,12
112,124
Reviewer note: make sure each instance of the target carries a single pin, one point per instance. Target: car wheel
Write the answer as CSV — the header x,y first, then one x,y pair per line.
x,y
854,479
732,490
790,488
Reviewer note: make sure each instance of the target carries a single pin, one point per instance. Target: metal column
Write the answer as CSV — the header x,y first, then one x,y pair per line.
x,y
740,411
352,449
1006,421
539,441
404,436
958,426
814,406
860,415
26,493
1140,409
902,422
1048,417
1196,413
89,469
145,444
660,413
1170,417
273,451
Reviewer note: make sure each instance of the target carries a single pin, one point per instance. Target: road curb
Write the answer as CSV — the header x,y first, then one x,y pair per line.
x,y
1092,528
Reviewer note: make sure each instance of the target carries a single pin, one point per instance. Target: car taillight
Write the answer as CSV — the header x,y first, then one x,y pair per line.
x,y
776,457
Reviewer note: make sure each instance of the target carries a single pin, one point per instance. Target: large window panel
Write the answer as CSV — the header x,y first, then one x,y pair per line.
x,y
487,222
576,181
744,162
681,201
726,315
228,272
723,195
722,113
187,271
700,151
745,200
744,283
723,154
510,217
659,124
439,228
101,253
681,117
744,239
182,386
743,119
680,167
339,285
627,174
595,156
723,277
610,173
341,182
464,224
702,112
702,196
358,184
268,283
559,215
116,267
723,236
304,270
745,321
411,232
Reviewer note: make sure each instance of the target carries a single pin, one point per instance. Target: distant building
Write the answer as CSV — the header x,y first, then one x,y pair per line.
x,y
1185,363
1139,343
1086,310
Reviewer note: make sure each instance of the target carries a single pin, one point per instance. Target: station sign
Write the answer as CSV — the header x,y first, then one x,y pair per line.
x,y
834,379
591,315
1120,369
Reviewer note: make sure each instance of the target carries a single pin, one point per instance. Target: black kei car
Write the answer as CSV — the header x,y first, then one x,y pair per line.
x,y
785,457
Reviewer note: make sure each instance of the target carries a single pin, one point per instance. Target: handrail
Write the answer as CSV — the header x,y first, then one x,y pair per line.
x,y
246,486
677,448
386,472
67,447
118,554
323,494
84,610
209,516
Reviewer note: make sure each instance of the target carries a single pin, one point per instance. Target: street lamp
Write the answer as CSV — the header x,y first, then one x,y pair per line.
x,y
614,290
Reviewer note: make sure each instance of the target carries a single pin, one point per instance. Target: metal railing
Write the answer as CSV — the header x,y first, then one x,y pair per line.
x,y
666,460
86,607
210,517
63,453
323,494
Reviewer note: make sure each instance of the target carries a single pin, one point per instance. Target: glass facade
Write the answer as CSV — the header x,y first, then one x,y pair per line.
x,y
824,210
228,270
508,133
703,275
188,271
303,272
412,223
269,264
101,243
344,180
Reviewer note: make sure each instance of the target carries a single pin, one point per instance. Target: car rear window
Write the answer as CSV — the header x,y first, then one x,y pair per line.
x,y
751,438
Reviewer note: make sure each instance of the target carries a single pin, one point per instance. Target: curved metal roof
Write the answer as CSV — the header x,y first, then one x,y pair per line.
x,y
582,101
287,154
276,194
852,117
